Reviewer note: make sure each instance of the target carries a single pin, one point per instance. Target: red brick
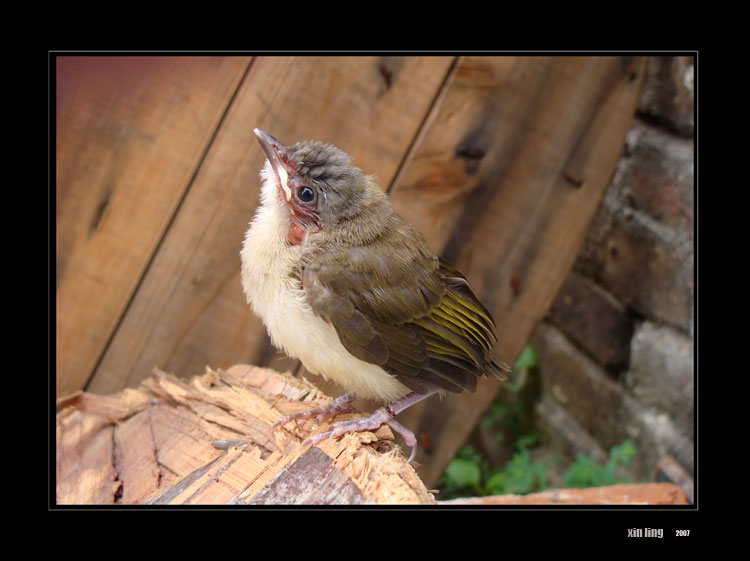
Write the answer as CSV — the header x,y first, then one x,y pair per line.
x,y
626,494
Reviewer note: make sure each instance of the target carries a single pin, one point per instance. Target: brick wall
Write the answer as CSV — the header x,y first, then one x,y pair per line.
x,y
616,350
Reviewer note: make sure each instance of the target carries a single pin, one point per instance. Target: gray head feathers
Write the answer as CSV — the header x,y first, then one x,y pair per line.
x,y
344,191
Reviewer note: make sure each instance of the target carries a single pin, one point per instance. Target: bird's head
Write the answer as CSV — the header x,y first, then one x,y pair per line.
x,y
319,187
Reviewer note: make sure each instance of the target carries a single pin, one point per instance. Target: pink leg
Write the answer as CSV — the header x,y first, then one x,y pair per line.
x,y
342,404
373,422
407,435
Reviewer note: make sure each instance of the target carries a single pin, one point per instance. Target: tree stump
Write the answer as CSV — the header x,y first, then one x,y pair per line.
x,y
209,441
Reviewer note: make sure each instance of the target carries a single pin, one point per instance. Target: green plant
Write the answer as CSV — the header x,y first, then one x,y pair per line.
x,y
519,476
503,416
469,473
585,472
463,475
527,358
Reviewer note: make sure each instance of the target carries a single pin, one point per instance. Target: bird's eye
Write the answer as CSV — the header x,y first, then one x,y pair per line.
x,y
305,194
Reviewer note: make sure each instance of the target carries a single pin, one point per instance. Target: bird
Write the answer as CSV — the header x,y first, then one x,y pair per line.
x,y
344,284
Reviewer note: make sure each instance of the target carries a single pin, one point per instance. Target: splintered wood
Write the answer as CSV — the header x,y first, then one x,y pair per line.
x,y
208,441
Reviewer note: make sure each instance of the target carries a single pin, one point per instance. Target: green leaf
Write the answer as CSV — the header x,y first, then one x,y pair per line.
x,y
497,483
466,451
527,359
520,484
539,469
463,473
624,452
527,440
583,472
607,474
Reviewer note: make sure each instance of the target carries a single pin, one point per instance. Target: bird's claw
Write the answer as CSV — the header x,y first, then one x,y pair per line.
x,y
341,404
372,423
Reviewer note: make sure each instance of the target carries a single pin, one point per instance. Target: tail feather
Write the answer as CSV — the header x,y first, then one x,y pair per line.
x,y
498,369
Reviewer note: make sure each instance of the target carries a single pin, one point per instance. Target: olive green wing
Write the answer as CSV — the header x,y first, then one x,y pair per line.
x,y
408,312
460,333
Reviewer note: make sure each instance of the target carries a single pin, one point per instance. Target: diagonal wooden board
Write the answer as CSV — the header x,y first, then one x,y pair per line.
x,y
189,309
503,173
130,132
504,181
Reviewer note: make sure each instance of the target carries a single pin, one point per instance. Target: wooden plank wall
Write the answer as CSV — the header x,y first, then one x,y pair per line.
x,y
500,161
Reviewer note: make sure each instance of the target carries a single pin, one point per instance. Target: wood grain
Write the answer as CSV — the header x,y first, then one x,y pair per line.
x,y
500,161
504,183
130,132
189,310
208,440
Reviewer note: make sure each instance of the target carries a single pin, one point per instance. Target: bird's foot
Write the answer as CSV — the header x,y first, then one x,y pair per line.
x,y
381,416
384,415
341,404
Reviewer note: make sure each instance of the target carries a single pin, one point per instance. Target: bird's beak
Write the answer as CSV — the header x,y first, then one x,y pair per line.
x,y
276,152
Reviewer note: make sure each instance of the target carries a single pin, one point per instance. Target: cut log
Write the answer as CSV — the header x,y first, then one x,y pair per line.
x,y
208,441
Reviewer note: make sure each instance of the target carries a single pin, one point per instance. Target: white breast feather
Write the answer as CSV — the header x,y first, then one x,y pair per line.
x,y
279,301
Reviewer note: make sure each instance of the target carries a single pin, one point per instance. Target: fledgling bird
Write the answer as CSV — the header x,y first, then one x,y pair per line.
x,y
348,287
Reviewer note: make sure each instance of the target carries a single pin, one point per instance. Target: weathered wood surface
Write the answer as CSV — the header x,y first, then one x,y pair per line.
x,y
208,441
130,133
500,161
190,311
505,182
